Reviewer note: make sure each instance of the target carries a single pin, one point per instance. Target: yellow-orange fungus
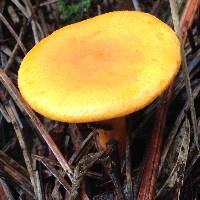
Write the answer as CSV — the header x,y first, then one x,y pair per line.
x,y
101,68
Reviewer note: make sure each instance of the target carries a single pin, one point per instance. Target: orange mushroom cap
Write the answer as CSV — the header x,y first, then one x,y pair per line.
x,y
101,68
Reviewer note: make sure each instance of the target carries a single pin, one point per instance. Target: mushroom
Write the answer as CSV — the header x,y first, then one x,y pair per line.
x,y
101,69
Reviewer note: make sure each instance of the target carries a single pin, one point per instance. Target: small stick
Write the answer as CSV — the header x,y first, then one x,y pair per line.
x,y
177,28
9,145
129,167
7,51
38,185
188,16
136,5
3,58
44,27
75,136
20,7
13,33
76,140
28,5
27,157
12,57
5,193
85,146
4,113
54,172
49,2
26,110
50,161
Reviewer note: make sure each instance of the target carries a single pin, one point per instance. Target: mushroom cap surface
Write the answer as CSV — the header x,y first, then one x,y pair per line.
x,y
101,68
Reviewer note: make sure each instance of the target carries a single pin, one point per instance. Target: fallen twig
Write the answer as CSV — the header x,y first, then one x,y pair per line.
x,y
28,5
129,167
10,109
13,33
54,172
12,57
136,5
85,146
188,16
75,136
5,193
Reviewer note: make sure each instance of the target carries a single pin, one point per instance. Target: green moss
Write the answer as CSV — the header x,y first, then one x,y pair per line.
x,y
68,10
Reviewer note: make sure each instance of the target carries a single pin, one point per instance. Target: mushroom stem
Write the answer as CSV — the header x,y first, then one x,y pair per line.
x,y
118,133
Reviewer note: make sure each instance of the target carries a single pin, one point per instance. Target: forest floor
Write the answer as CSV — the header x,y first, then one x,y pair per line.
x,y
45,159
